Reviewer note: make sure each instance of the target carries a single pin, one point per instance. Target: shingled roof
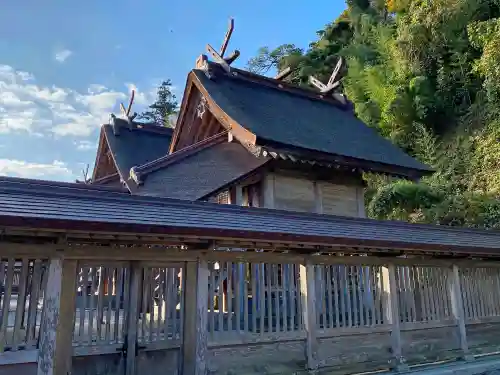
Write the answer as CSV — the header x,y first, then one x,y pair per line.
x,y
36,205
196,171
301,121
135,146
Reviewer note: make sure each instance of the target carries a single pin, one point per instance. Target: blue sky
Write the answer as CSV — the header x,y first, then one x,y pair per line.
x,y
66,65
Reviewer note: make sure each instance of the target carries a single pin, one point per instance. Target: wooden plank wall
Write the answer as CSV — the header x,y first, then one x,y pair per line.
x,y
305,195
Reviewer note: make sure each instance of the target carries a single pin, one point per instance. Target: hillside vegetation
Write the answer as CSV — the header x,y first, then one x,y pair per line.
x,y
426,74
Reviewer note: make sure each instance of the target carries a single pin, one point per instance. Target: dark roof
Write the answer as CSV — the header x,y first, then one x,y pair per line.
x,y
33,205
282,117
200,172
142,144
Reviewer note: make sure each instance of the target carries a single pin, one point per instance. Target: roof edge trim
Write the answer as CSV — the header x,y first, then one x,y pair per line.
x,y
349,161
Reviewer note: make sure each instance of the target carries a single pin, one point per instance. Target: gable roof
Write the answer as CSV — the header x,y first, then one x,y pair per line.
x,y
196,171
297,119
134,146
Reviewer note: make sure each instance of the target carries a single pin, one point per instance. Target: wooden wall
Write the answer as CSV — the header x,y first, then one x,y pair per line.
x,y
297,193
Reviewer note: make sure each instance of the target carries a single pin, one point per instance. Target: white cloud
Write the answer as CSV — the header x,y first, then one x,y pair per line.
x,y
62,55
19,168
85,145
96,88
28,107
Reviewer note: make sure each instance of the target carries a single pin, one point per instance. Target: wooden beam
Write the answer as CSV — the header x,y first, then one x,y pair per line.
x,y
218,58
336,71
284,73
56,349
195,318
458,310
182,112
134,307
232,57
391,313
316,82
202,129
268,189
318,197
227,37
131,101
308,295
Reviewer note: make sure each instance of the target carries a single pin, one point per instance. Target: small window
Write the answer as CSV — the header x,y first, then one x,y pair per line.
x,y
223,197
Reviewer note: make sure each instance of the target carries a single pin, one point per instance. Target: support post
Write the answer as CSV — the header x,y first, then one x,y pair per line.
x,y
56,349
391,314
268,191
458,311
318,197
308,296
238,195
195,318
134,307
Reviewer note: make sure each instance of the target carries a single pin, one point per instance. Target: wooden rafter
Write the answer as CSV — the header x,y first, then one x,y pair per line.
x,y
126,111
284,73
333,81
227,37
218,56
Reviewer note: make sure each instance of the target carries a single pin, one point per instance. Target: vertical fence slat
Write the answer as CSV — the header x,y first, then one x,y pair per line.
x,y
33,301
245,296
6,303
21,294
254,274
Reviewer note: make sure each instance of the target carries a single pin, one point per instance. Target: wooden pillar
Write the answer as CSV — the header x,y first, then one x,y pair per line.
x,y
318,197
134,308
194,344
308,297
391,314
360,197
268,191
56,333
238,196
458,311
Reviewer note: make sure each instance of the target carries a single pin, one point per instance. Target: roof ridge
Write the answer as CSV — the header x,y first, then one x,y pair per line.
x,y
18,186
290,88
49,184
150,127
137,173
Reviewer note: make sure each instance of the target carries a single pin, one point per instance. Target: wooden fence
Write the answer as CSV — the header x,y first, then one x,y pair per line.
x,y
352,313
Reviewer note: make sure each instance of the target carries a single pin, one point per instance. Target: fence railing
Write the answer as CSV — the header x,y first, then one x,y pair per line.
x,y
247,301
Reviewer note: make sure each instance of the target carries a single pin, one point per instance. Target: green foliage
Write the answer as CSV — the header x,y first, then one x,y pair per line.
x,y
276,59
165,106
402,199
425,74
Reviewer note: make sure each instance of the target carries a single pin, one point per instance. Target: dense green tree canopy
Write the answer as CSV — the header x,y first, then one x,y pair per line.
x,y
425,74
164,106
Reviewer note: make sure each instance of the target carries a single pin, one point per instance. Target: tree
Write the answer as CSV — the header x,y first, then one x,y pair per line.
x,y
267,60
425,75
163,108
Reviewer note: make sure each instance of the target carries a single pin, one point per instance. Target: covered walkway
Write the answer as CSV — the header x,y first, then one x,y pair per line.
x,y
101,282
